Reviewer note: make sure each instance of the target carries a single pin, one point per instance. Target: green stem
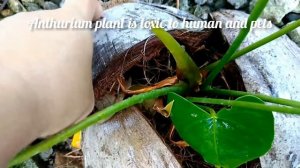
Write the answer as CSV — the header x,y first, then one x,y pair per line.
x,y
266,98
208,109
258,8
249,105
184,63
257,44
98,117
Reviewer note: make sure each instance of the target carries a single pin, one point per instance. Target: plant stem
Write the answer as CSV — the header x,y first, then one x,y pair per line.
x,y
208,109
257,44
248,105
98,117
266,40
184,63
266,98
258,8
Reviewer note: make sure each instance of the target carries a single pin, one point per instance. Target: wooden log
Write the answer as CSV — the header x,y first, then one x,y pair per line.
x,y
108,43
127,140
274,70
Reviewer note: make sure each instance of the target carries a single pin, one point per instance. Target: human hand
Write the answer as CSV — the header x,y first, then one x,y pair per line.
x,y
45,75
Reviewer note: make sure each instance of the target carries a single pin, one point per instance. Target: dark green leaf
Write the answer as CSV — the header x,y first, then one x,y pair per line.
x,y
229,138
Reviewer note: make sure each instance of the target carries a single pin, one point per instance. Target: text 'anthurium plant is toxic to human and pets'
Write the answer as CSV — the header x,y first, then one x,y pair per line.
x,y
239,131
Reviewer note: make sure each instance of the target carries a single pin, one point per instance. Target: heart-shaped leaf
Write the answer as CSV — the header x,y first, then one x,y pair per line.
x,y
227,139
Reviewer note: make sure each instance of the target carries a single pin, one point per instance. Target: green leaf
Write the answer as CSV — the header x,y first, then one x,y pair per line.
x,y
227,139
186,67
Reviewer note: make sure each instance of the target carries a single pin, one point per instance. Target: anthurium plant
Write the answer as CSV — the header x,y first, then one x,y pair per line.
x,y
213,133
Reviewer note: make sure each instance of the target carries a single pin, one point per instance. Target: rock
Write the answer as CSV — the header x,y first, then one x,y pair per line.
x,y
219,4
46,155
30,163
155,1
238,3
290,17
200,2
3,4
63,1
27,164
40,2
297,10
6,12
216,4
184,5
16,6
57,2
27,1
202,12
32,7
295,36
277,9
272,69
48,5
210,3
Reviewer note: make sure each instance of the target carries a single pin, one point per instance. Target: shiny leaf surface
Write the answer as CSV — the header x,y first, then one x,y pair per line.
x,y
227,139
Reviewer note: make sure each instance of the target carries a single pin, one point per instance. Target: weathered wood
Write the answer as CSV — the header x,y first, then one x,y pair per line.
x,y
108,43
127,140
274,70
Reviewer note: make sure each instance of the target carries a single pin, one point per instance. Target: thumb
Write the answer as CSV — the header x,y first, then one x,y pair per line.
x,y
86,9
